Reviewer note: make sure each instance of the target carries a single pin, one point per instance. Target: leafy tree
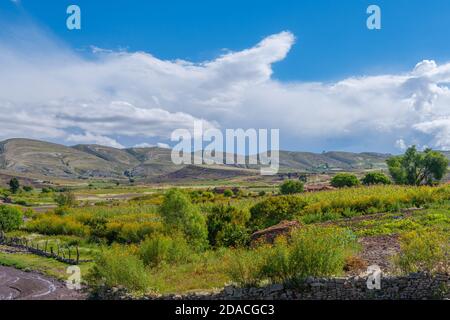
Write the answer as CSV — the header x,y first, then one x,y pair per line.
x,y
14,185
418,168
375,178
291,187
65,199
342,180
10,218
180,214
226,226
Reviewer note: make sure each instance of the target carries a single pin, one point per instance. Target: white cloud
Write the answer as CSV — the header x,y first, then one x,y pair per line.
x,y
163,145
89,138
55,93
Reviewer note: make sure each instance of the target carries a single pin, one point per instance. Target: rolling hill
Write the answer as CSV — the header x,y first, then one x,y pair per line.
x,y
44,159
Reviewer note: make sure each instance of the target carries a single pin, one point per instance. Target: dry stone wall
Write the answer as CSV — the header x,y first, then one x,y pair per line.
x,y
417,286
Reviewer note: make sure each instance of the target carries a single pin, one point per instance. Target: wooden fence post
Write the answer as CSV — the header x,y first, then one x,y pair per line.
x,y
78,255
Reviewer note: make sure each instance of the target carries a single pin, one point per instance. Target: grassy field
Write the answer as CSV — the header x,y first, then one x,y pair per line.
x,y
118,226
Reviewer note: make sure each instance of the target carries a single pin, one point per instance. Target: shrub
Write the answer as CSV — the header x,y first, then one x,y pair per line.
x,y
14,185
228,193
423,251
226,226
311,251
244,266
375,178
274,210
10,218
51,224
28,188
291,187
162,249
180,214
344,180
65,199
118,267
262,193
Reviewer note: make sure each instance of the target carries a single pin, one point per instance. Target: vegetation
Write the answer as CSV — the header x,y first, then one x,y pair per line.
x,y
14,185
373,178
311,251
291,187
418,168
180,214
159,249
227,226
424,251
273,210
178,240
118,267
342,180
10,218
65,199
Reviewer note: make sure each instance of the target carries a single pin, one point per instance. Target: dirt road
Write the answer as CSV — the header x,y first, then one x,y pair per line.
x,y
19,285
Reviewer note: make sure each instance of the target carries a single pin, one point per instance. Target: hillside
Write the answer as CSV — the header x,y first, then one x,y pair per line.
x,y
32,157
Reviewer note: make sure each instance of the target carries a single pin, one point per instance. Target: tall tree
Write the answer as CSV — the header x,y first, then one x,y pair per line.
x,y
418,168
14,185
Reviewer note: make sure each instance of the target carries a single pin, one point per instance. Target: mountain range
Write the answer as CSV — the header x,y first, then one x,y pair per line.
x,y
45,159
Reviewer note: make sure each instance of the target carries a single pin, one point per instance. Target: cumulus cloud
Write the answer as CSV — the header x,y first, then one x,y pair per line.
x,y
115,96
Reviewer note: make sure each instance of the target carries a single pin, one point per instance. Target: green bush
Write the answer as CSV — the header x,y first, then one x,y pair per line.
x,y
342,180
27,188
311,251
244,266
372,178
10,218
423,251
118,267
180,214
274,210
160,249
65,199
228,193
227,226
291,187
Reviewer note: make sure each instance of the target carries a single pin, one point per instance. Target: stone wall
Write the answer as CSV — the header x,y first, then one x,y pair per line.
x,y
417,286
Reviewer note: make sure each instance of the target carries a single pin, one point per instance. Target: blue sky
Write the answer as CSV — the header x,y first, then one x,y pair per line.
x,y
333,40
332,45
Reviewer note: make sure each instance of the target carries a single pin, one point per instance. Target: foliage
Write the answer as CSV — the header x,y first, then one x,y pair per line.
x,y
160,249
65,199
291,187
311,251
244,266
342,180
418,168
14,185
372,178
228,193
28,188
117,266
10,218
227,226
423,251
274,210
179,214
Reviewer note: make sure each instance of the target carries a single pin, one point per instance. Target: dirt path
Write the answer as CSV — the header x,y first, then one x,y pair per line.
x,y
19,285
